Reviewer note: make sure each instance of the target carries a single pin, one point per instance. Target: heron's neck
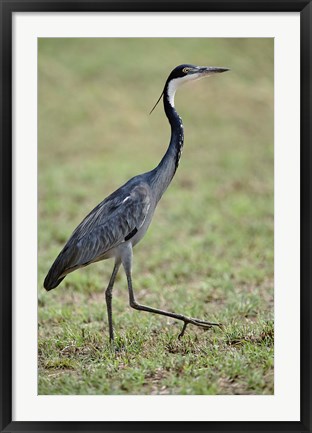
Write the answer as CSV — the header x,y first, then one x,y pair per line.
x,y
167,167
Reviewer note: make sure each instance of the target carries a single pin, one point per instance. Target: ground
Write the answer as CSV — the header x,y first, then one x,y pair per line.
x,y
209,250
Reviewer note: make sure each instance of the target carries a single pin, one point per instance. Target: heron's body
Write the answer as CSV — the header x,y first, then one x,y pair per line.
x,y
123,217
120,221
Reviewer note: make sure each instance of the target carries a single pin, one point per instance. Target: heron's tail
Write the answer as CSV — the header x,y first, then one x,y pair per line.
x,y
50,284
53,278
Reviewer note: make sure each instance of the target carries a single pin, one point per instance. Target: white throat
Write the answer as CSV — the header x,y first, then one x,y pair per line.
x,y
176,83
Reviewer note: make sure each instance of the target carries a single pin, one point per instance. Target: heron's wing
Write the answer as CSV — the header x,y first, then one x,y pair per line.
x,y
112,222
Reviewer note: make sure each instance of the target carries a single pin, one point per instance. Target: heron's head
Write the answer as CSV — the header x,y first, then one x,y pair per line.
x,y
184,74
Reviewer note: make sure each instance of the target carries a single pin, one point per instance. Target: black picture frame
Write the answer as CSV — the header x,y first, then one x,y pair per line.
x,y
7,9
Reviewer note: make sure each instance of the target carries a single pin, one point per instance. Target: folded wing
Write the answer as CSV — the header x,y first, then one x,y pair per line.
x,y
113,221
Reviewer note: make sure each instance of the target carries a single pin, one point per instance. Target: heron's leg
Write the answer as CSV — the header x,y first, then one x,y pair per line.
x,y
126,261
108,298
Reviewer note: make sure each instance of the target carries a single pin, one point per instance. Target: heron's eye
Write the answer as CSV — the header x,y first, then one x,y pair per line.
x,y
186,70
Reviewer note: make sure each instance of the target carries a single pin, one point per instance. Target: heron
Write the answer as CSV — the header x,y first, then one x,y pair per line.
x,y
119,222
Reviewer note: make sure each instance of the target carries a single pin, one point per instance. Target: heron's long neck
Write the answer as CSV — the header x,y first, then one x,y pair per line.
x,y
167,167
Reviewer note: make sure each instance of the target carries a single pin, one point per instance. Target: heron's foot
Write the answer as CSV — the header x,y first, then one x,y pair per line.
x,y
112,345
116,347
183,330
202,323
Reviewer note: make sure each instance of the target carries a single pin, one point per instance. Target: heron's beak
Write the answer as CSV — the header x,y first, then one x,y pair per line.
x,y
210,70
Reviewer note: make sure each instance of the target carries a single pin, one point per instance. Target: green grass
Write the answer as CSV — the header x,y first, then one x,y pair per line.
x,y
209,250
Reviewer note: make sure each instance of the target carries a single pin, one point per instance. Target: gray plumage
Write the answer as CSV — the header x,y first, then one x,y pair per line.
x,y
108,225
120,221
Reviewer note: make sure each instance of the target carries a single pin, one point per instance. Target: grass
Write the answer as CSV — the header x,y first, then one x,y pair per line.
x,y
209,250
